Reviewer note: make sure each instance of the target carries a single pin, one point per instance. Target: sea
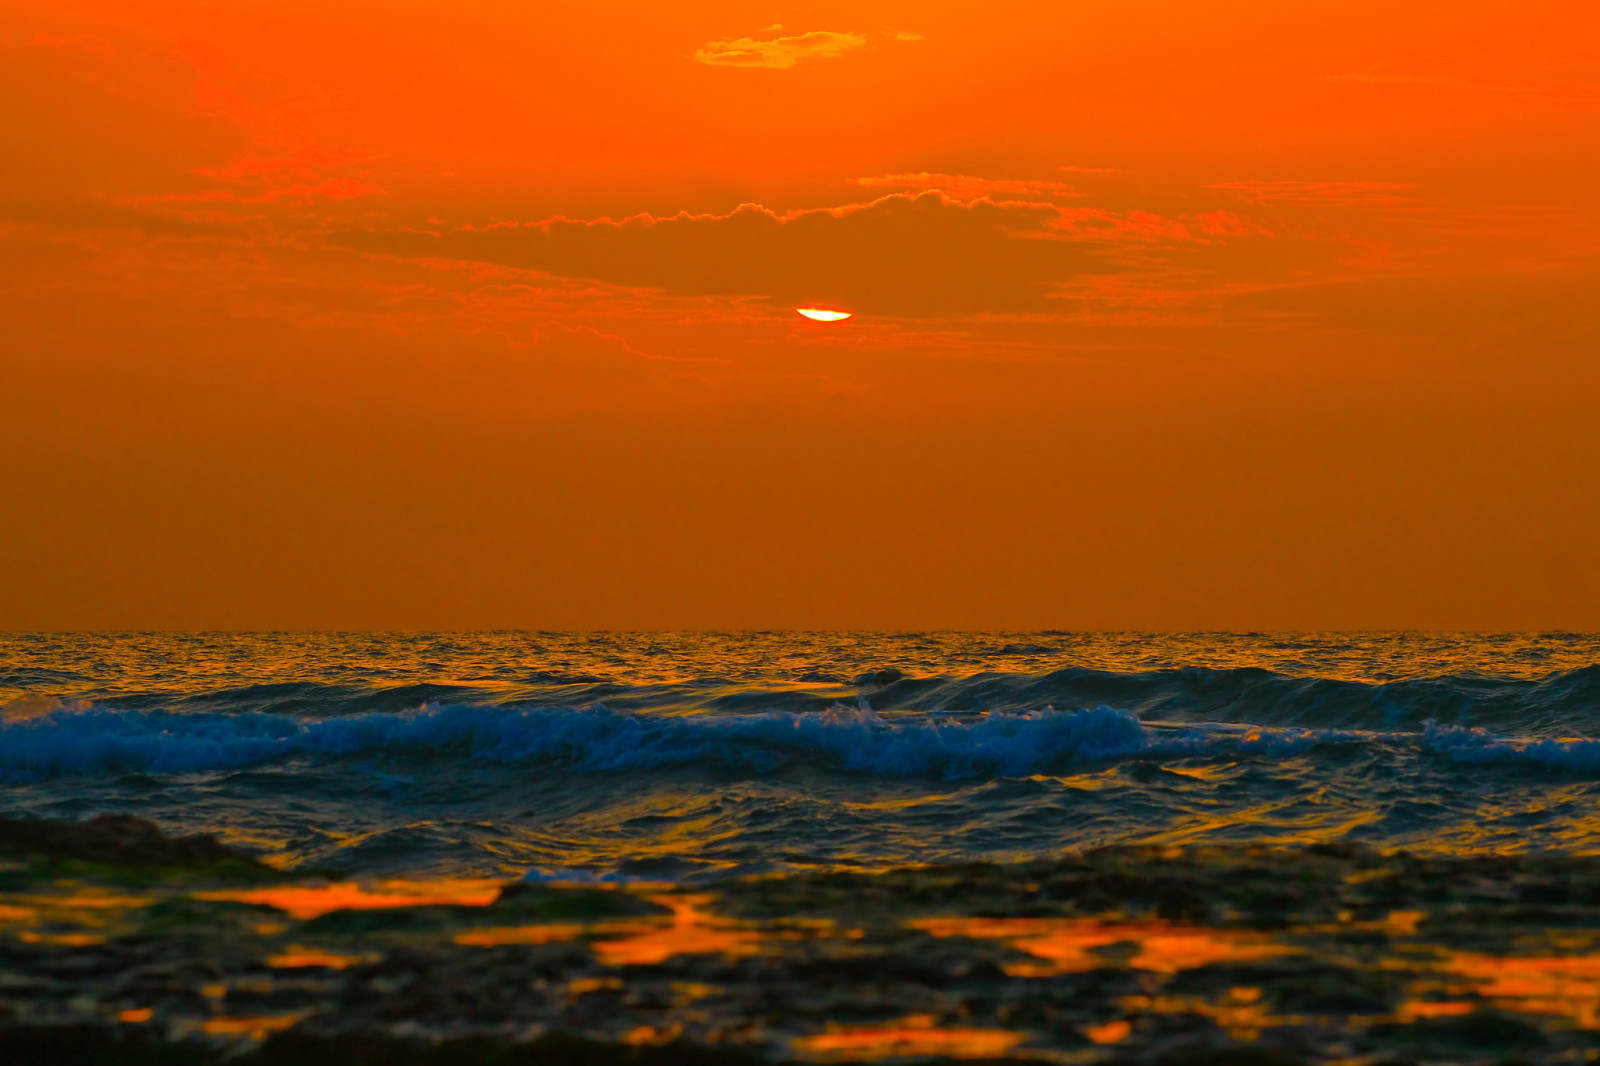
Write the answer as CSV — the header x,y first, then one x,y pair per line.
x,y
693,757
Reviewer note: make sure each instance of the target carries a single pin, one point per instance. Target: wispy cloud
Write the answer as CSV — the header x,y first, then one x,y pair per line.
x,y
330,188
1323,193
771,50
779,53
968,187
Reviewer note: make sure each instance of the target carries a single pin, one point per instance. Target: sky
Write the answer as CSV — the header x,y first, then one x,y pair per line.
x,y
482,314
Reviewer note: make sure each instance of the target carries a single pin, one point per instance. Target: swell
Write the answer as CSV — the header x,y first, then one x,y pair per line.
x,y
530,689
1567,702
1563,702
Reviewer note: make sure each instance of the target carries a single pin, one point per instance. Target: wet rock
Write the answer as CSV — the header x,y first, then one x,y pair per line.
x,y
114,840
88,1045
1148,956
557,1049
1299,986
1483,1032
1237,1055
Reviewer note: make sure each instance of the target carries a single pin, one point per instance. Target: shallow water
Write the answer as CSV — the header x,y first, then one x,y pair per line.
x,y
1316,956
696,756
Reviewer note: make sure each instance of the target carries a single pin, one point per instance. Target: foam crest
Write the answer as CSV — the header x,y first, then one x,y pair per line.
x,y
1478,745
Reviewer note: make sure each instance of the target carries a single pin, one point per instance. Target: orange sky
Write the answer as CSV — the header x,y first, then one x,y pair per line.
x,y
1236,314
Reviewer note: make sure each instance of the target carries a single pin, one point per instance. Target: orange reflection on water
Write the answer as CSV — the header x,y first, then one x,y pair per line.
x,y
64,940
1243,1020
1404,923
311,901
636,943
911,1036
1109,1033
296,958
1414,1009
1567,985
582,986
16,914
518,934
649,1034
1069,943
254,1028
692,932
136,1016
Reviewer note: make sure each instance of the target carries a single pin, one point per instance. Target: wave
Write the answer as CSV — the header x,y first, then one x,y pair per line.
x,y
1562,703
88,740
1478,745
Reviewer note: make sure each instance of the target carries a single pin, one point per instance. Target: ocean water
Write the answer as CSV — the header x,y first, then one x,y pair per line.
x,y
692,757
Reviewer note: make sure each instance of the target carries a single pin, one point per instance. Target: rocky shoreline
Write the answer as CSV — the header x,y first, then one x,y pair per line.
x,y
118,944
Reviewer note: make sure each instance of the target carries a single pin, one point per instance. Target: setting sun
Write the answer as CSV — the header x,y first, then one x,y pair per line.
x,y
817,314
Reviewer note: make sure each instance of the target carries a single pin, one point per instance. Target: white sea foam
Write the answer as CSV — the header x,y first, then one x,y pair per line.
x,y
1477,745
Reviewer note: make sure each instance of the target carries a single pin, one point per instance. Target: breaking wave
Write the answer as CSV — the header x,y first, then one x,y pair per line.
x,y
89,740
1478,745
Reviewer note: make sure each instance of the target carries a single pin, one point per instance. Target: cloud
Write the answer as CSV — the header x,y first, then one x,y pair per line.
x,y
1322,193
266,175
1148,228
967,187
901,254
99,121
125,130
905,254
328,188
782,53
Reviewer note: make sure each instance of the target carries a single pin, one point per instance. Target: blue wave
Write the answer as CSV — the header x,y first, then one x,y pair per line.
x,y
98,741
1478,745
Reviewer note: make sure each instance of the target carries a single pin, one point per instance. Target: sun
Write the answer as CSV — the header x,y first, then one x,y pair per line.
x,y
817,314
